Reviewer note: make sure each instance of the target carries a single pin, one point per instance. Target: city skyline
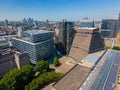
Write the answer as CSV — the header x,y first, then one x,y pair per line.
x,y
59,9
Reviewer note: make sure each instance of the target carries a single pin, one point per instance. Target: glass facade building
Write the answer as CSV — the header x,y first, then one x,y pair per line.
x,y
110,28
87,24
66,36
38,43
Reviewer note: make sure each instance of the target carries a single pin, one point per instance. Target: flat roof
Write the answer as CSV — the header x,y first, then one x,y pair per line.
x,y
91,58
73,79
37,31
22,40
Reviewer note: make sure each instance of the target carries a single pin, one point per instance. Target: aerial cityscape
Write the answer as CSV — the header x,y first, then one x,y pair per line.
x,y
59,45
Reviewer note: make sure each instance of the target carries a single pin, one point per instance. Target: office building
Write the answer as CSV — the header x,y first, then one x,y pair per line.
x,y
86,40
85,22
66,35
38,43
110,27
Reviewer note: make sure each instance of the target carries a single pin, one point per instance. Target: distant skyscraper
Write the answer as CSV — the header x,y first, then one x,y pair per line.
x,y
24,20
6,23
30,20
47,24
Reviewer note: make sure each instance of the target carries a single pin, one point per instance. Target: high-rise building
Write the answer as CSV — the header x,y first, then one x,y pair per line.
x,y
6,23
66,33
38,43
86,40
24,20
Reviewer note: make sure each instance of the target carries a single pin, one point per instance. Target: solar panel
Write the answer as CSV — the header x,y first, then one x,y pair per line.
x,y
107,75
113,73
109,86
102,76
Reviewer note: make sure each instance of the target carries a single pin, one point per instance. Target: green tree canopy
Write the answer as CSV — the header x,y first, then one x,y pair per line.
x,y
42,66
16,79
116,48
43,80
56,62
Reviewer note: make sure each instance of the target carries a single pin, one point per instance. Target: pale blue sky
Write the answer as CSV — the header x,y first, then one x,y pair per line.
x,y
59,9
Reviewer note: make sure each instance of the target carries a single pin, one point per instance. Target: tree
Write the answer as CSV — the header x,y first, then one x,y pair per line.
x,y
42,66
56,62
116,48
43,80
16,79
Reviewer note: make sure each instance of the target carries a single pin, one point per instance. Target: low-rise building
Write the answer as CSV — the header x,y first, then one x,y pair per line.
x,y
10,59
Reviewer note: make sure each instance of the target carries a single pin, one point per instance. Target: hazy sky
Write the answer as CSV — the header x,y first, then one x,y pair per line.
x,y
59,9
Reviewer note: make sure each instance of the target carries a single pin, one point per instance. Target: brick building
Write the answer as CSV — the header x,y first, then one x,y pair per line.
x,y
12,59
86,40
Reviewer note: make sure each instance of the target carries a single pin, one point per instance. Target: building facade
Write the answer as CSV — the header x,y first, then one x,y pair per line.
x,y
10,59
110,28
38,43
85,22
66,34
86,40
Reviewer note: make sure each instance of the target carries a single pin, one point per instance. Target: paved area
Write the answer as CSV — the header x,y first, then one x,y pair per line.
x,y
48,87
66,64
108,42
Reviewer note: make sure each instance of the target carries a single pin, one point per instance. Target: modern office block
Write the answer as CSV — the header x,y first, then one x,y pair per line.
x,y
110,27
85,22
38,43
